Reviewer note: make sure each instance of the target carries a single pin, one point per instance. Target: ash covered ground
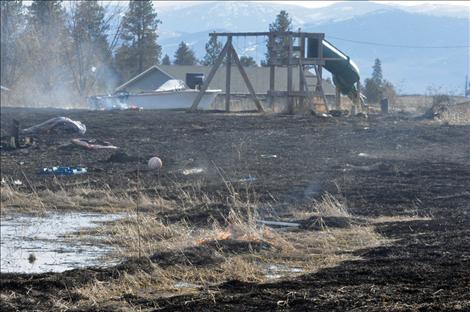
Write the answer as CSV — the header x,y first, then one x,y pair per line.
x,y
383,166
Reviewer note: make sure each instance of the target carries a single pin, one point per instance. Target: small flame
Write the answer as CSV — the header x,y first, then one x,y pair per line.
x,y
235,233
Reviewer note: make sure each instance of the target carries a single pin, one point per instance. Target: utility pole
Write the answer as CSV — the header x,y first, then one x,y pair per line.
x,y
467,87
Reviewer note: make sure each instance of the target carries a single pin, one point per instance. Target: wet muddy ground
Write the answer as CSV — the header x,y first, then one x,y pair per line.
x,y
381,167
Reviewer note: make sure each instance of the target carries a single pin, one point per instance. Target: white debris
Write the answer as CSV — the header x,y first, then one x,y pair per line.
x,y
268,156
193,171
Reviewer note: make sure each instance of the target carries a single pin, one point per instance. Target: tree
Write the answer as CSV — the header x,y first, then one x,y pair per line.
x,y
139,34
376,87
213,49
184,55
11,48
46,77
282,23
248,61
377,72
166,60
372,91
89,55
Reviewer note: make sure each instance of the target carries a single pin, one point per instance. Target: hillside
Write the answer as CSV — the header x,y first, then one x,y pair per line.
x,y
413,70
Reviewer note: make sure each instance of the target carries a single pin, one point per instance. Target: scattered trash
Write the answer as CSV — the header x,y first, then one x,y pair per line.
x,y
64,170
53,123
155,163
268,156
278,223
363,155
17,182
192,171
248,179
93,144
366,128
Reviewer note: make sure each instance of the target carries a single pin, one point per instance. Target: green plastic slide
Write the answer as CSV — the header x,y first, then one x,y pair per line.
x,y
345,72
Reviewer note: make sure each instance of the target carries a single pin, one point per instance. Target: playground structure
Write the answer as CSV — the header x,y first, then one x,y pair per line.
x,y
293,49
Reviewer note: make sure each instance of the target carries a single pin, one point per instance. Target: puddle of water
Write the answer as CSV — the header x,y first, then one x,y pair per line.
x,y
44,237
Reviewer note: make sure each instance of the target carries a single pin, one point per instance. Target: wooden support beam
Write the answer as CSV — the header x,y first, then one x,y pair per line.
x,y
245,78
307,92
209,78
290,100
228,74
302,81
338,98
319,86
272,74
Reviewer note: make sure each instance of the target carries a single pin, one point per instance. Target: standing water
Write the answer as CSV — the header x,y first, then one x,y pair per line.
x,y
36,244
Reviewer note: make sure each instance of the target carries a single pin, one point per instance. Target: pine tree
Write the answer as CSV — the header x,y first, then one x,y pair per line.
x,y
282,23
89,55
213,49
377,72
166,60
47,39
184,55
248,61
140,49
11,48
376,87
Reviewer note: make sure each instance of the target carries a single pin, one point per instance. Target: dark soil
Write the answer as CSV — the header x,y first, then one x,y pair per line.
x,y
407,168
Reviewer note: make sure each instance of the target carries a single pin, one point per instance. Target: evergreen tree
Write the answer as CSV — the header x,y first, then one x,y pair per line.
x,y
166,60
47,39
89,54
376,87
11,48
282,23
248,61
140,49
184,55
377,72
213,49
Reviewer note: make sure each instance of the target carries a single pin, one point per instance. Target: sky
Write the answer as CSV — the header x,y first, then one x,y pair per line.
x,y
316,4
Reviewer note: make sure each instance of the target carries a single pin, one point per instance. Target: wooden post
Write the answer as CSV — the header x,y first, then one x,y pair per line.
x,y
272,74
338,98
245,78
209,78
228,74
302,81
311,104
290,99
319,86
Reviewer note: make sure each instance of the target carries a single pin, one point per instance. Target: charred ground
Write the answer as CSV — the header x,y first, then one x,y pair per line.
x,y
382,167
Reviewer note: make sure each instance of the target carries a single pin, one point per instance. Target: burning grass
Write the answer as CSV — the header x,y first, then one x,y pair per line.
x,y
186,258
188,255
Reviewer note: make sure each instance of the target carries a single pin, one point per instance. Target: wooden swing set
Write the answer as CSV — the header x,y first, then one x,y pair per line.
x,y
315,60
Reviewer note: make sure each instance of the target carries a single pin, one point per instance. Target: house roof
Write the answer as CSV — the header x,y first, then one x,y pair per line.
x,y
141,76
259,78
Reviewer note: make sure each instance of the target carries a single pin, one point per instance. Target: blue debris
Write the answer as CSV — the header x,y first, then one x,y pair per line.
x,y
64,170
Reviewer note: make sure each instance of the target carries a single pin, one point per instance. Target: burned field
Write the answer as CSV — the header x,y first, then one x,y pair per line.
x,y
376,212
